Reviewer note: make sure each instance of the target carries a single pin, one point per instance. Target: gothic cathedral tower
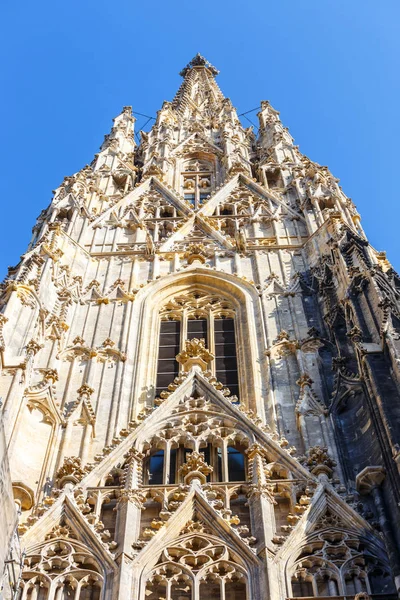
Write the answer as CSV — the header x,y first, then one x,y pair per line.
x,y
199,358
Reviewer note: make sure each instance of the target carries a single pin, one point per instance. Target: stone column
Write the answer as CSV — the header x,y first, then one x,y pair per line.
x,y
261,500
369,481
127,530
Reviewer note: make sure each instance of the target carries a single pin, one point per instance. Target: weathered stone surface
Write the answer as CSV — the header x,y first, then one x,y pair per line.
x,y
199,365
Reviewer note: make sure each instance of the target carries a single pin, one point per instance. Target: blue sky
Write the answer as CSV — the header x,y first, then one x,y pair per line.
x,y
331,68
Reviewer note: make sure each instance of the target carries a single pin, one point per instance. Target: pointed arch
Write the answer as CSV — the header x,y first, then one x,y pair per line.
x,y
331,545
245,301
64,569
197,546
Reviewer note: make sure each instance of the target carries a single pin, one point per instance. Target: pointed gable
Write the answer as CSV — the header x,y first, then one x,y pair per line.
x,y
268,203
197,230
151,189
64,520
196,143
196,394
196,517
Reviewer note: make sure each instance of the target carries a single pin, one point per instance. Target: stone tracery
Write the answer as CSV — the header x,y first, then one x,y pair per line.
x,y
334,563
197,567
60,570
248,258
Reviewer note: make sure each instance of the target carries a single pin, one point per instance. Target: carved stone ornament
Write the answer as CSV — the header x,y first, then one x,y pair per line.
x,y
61,531
195,354
195,467
33,347
137,497
180,454
196,251
198,61
319,462
71,471
369,478
50,375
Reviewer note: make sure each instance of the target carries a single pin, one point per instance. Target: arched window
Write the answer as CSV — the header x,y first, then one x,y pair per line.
x,y
90,589
169,346
203,316
71,566
199,575
380,580
314,576
155,474
108,514
165,466
197,181
177,458
355,582
302,588
239,505
236,464
36,589
225,354
66,590
210,590
213,455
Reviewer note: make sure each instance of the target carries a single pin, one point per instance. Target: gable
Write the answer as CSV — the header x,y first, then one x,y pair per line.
x,y
197,231
269,202
181,403
196,143
193,518
63,520
145,195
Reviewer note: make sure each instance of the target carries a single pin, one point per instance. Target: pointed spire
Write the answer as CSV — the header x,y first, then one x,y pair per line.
x,y
199,61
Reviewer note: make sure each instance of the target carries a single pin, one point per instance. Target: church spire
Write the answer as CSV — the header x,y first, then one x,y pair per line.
x,y
199,121
199,94
199,61
167,350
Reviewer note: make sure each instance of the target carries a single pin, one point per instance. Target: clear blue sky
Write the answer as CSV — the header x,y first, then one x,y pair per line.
x,y
330,67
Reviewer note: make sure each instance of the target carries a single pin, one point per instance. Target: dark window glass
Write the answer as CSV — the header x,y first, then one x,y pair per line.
x,y
225,354
236,468
302,588
156,467
207,453
168,367
207,457
172,465
197,328
226,211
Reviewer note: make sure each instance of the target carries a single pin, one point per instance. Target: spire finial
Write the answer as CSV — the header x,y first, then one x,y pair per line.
x,y
199,61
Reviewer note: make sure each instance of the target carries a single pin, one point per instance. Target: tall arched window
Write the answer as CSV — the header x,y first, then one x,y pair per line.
x,y
202,316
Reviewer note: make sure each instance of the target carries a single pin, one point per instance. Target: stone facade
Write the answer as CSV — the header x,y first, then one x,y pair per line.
x,y
200,371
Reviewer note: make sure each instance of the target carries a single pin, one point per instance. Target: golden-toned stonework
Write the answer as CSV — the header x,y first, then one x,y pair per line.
x,y
199,366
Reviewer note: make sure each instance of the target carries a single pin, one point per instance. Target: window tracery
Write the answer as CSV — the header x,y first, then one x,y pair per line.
x,y
197,568
204,316
201,430
335,563
62,569
198,181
